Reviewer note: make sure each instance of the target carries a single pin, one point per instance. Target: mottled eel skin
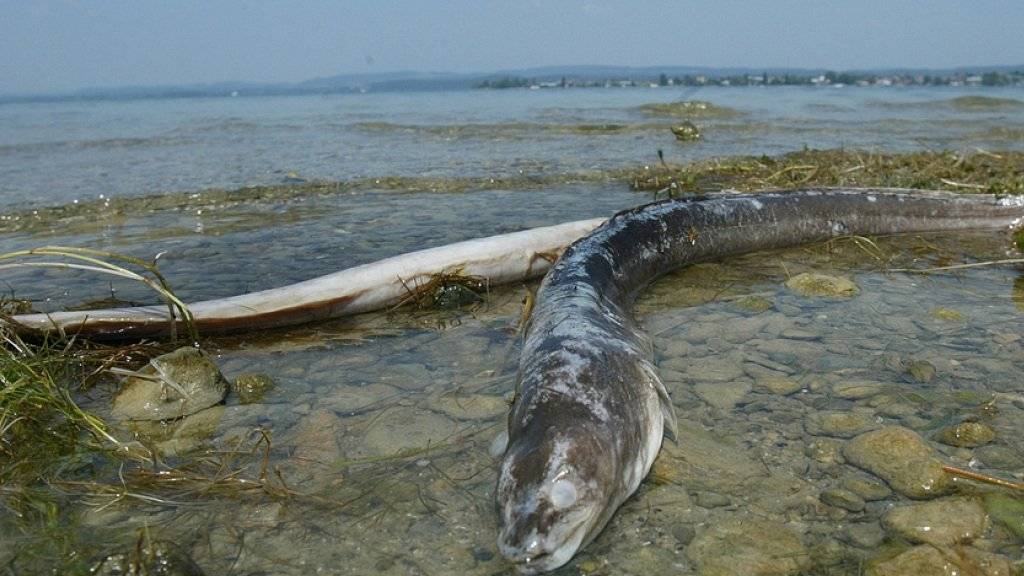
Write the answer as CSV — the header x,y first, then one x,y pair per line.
x,y
590,411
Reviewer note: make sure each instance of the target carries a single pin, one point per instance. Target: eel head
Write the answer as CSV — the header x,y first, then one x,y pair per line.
x,y
553,498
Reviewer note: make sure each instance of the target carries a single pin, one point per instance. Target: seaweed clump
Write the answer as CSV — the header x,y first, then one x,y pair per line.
x,y
689,109
979,171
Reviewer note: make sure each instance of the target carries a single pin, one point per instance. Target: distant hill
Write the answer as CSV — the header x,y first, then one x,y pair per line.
x,y
408,81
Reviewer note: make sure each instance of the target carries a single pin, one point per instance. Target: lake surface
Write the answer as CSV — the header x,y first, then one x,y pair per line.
x,y
381,424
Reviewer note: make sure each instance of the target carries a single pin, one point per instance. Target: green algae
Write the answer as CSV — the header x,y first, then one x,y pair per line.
x,y
1006,510
984,103
991,172
971,103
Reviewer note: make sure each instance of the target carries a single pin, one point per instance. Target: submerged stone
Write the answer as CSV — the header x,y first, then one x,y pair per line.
x,y
748,546
1006,510
867,488
928,560
157,558
841,498
948,315
920,371
856,390
405,429
1002,457
780,385
469,406
171,386
967,435
810,284
755,304
722,395
686,131
867,535
942,522
177,437
901,458
840,424
250,388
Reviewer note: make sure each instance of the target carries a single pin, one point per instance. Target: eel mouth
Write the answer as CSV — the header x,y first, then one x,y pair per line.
x,y
536,558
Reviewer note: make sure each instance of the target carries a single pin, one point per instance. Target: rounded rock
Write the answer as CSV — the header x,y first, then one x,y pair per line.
x,y
820,285
967,435
939,522
901,458
172,385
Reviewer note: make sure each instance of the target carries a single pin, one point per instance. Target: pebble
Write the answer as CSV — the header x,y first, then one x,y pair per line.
x,y
347,399
840,424
842,498
150,557
407,376
821,285
755,304
469,406
967,435
930,561
315,437
799,334
684,533
825,450
868,535
868,489
707,368
942,522
711,500
747,545
722,395
856,390
901,458
1002,457
404,428
1006,510
250,388
920,371
947,315
779,385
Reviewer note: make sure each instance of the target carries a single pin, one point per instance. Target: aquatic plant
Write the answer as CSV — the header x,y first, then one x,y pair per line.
x,y
978,171
76,258
689,109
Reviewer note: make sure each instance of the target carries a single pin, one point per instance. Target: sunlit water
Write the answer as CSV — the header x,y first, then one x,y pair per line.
x,y
58,152
380,425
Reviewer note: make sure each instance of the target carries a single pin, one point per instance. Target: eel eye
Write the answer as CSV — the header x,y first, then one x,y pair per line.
x,y
563,494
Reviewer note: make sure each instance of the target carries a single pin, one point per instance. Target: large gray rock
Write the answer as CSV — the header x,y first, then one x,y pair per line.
x,y
173,385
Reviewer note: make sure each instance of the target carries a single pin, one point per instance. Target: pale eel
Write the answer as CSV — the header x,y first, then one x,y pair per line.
x,y
496,259
590,412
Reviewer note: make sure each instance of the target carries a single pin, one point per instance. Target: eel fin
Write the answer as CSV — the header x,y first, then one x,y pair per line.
x,y
668,410
499,445
668,413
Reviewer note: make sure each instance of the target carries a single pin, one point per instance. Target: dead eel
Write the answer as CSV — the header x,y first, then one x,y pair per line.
x,y
590,412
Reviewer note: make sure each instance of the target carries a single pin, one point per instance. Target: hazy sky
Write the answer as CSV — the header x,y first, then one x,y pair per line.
x,y
57,45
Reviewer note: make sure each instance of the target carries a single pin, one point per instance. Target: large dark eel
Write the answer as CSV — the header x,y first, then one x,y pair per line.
x,y
590,411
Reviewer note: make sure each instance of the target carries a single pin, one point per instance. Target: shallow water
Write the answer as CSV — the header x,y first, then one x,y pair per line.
x,y
53,153
380,425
